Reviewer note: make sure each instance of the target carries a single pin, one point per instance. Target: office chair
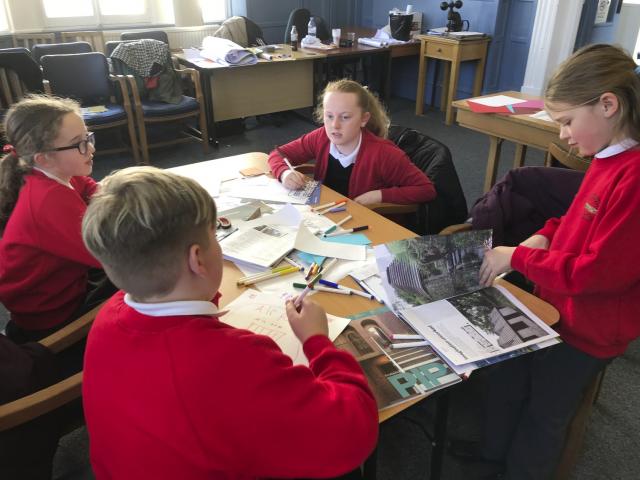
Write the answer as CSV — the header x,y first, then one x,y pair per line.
x,y
41,49
300,18
86,77
93,38
19,74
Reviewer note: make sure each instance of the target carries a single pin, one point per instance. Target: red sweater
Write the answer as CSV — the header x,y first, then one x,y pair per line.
x,y
380,165
191,397
591,272
43,262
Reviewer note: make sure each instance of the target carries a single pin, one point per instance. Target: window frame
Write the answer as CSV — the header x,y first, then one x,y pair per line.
x,y
99,20
227,9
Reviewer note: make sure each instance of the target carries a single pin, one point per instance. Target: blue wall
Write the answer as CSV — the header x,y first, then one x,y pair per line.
x,y
588,32
482,16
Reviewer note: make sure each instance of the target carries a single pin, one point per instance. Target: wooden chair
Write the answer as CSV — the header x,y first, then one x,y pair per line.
x,y
95,38
48,399
27,40
565,157
154,112
86,77
19,74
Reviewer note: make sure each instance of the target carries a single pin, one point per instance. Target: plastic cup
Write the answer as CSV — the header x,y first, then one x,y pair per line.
x,y
336,34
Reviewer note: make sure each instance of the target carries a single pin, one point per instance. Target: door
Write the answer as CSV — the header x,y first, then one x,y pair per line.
x,y
514,27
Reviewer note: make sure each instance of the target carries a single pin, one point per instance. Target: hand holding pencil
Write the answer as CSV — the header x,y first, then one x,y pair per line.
x,y
309,321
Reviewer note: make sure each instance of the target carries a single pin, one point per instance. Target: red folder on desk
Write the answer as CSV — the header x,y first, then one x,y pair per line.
x,y
528,106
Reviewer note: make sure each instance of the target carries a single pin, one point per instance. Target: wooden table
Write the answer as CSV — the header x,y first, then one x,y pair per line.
x,y
524,130
453,52
381,230
266,87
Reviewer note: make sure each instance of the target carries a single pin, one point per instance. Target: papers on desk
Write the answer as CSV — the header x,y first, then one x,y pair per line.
x,y
380,39
208,180
226,52
264,314
504,104
542,115
271,190
309,243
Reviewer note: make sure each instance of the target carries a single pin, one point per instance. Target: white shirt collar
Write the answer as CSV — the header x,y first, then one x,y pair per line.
x,y
612,150
53,177
170,309
345,160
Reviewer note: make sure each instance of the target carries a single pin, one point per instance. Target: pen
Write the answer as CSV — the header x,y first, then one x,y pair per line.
x,y
351,230
328,283
292,263
241,280
340,291
324,205
298,301
403,336
348,289
363,287
330,264
423,343
341,222
310,271
326,210
286,160
271,275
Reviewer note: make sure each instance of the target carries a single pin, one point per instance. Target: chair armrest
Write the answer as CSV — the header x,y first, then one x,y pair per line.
x,y
194,75
385,208
47,86
71,333
41,402
459,227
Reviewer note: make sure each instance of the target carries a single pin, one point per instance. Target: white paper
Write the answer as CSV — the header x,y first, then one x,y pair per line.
x,y
226,52
267,189
498,100
264,314
542,115
208,179
308,242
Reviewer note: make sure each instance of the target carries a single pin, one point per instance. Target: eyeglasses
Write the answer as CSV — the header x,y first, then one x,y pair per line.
x,y
82,145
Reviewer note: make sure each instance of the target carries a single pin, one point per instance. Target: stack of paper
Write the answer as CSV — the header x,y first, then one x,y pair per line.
x,y
505,104
226,52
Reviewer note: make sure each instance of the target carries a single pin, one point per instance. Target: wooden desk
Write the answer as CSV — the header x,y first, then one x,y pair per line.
x,y
266,87
453,52
524,130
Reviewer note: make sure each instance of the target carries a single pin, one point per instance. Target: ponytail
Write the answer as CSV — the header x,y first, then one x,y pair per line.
x,y
378,123
12,172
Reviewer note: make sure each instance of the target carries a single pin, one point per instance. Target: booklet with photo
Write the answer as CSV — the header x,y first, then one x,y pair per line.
x,y
433,283
395,375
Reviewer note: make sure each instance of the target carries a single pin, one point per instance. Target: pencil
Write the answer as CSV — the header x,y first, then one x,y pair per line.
x,y
286,160
340,223
272,275
344,232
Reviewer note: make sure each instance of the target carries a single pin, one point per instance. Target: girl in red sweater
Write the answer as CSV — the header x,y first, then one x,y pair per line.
x,y
44,190
585,264
352,155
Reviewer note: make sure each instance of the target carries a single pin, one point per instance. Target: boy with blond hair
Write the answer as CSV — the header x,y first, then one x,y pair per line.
x,y
169,390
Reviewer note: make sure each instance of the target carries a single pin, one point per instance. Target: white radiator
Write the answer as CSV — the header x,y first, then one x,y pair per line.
x,y
179,37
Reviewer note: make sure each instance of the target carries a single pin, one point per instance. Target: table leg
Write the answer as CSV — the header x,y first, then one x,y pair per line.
x,y
422,70
495,146
477,82
521,153
453,86
205,85
446,78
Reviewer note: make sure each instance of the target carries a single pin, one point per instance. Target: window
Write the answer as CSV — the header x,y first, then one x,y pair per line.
x,y
213,10
92,13
4,21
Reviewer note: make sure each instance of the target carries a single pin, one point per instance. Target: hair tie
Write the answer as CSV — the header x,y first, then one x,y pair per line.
x,y
10,149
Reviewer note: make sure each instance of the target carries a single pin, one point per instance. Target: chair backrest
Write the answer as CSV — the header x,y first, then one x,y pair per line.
x,y
140,34
434,159
566,158
27,40
254,32
83,76
300,18
93,38
19,74
40,50
111,45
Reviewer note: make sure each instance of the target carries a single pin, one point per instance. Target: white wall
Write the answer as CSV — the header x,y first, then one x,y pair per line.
x,y
626,34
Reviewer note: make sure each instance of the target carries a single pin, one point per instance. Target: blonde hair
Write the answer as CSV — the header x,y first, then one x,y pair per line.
x,y
141,224
378,123
592,71
30,126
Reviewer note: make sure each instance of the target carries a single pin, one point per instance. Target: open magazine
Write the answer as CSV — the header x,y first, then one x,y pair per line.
x,y
395,375
432,283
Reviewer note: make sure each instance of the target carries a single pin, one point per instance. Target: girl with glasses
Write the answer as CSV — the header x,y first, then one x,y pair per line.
x,y
44,191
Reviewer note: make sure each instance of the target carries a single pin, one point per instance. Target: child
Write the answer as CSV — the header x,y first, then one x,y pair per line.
x,y
44,190
169,390
351,153
585,264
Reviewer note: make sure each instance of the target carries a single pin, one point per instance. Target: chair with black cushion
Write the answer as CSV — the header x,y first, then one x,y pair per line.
x,y
40,50
165,101
93,38
27,40
300,18
160,35
86,78
19,75
434,159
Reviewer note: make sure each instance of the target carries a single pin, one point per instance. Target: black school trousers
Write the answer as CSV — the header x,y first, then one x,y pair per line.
x,y
530,402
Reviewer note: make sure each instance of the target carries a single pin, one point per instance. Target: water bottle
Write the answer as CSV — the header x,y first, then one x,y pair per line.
x,y
311,28
294,38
